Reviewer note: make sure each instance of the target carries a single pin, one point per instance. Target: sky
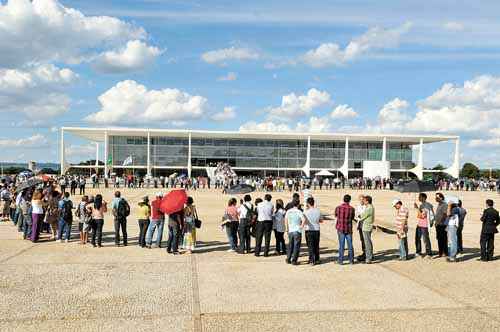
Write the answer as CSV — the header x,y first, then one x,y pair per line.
x,y
305,66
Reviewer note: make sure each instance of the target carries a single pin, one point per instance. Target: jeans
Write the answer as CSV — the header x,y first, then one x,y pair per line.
x,y
419,233
294,242
120,222
19,219
244,234
97,225
360,231
174,235
342,238
27,226
280,242
367,238
64,230
155,225
312,240
264,230
232,234
442,237
143,227
460,247
403,247
452,241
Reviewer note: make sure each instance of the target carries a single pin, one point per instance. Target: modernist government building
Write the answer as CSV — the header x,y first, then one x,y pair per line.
x,y
157,151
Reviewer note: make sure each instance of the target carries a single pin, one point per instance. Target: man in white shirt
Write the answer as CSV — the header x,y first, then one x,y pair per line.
x,y
359,211
264,229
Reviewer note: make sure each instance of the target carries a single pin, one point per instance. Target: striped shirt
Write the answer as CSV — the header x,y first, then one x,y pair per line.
x,y
345,215
401,220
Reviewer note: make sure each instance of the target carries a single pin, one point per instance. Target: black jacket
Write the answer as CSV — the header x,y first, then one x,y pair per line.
x,y
490,220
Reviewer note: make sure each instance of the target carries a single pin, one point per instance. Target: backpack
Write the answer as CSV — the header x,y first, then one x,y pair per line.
x,y
123,209
250,212
67,212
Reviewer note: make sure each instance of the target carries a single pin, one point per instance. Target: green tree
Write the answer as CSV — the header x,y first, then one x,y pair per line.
x,y
469,170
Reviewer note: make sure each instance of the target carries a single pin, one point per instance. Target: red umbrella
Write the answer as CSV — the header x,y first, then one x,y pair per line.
x,y
173,201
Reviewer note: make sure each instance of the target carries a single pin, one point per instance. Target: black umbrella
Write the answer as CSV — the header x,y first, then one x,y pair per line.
x,y
415,186
30,183
240,189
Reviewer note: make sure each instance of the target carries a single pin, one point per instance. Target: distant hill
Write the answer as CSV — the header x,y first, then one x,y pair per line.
x,y
54,166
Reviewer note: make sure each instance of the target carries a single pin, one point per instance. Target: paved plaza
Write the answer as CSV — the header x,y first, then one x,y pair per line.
x,y
52,286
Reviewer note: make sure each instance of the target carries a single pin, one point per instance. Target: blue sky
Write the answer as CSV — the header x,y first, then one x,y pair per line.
x,y
331,66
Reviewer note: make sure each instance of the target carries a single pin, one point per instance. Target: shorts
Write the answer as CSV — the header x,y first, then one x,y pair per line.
x,y
86,227
80,227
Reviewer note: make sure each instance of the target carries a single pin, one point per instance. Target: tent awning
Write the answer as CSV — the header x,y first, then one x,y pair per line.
x,y
324,172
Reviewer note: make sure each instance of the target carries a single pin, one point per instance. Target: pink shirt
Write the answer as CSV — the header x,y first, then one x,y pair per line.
x,y
422,220
232,211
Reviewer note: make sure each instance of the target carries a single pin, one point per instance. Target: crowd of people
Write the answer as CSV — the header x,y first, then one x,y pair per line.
x,y
45,209
261,218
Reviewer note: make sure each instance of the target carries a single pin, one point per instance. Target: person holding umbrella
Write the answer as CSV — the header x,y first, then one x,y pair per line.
x,y
173,205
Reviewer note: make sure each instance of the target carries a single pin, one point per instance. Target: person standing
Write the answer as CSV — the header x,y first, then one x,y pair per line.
x,y
294,223
360,209
265,211
461,215
52,214
97,211
175,224
81,184
26,210
401,224
190,215
425,217
490,220
440,218
245,211
279,227
367,218
65,218
345,215
121,210
157,222
232,217
312,230
82,215
453,220
36,215
143,214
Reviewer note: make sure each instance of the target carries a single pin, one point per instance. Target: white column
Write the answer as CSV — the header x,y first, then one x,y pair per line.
x,y
149,155
307,167
106,154
96,157
345,167
189,155
418,170
454,170
384,149
62,159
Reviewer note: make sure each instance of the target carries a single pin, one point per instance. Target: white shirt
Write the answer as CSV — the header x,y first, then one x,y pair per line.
x,y
313,216
243,210
265,211
360,209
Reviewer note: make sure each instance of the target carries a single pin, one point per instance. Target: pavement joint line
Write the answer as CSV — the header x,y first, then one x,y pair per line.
x,y
20,252
464,304
197,324
91,263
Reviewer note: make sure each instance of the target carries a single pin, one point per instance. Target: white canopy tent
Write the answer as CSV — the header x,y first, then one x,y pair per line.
x,y
324,172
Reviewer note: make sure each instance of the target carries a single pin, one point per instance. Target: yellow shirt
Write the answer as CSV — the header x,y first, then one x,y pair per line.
x,y
144,211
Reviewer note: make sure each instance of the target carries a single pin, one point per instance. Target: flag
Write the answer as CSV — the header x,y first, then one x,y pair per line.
x,y
127,161
110,160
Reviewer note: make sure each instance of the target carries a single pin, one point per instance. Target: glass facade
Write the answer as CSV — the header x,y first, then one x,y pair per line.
x,y
253,153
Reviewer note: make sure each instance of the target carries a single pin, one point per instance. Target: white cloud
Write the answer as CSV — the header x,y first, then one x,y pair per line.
x,y
343,112
228,54
46,31
87,151
331,54
35,141
35,91
485,142
472,107
231,76
392,113
314,125
267,126
453,26
136,55
227,114
294,106
131,103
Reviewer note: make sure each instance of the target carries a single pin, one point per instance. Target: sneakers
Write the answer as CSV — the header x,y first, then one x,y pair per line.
x,y
230,250
67,241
